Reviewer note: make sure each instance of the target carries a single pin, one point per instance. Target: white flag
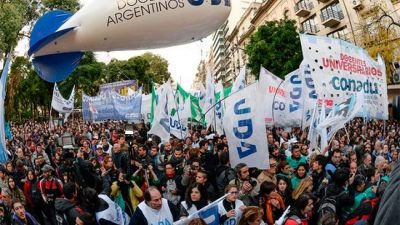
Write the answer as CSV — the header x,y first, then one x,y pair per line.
x,y
245,128
160,125
146,107
341,114
209,100
219,109
310,95
291,114
60,104
178,128
240,81
275,95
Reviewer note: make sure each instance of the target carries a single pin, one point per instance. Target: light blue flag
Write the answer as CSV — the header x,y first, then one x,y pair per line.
x,y
3,87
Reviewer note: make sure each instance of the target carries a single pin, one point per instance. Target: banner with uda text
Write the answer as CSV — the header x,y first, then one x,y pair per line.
x,y
244,127
111,106
340,69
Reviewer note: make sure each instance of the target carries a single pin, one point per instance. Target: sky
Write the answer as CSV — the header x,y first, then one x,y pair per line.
x,y
183,59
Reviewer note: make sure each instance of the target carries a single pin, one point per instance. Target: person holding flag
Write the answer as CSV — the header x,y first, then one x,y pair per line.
x,y
231,208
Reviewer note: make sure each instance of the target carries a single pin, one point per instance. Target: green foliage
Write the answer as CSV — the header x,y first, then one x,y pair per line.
x,y
14,15
146,69
275,46
68,5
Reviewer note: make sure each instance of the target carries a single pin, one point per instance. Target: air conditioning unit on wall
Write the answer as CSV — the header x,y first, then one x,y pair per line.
x,y
357,4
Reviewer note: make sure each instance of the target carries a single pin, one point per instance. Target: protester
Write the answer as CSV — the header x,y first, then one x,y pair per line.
x,y
251,215
154,210
302,211
21,217
231,208
366,148
195,199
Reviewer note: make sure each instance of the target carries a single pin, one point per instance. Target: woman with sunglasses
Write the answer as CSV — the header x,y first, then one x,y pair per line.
x,y
231,208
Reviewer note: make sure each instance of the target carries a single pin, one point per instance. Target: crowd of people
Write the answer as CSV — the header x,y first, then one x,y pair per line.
x,y
110,177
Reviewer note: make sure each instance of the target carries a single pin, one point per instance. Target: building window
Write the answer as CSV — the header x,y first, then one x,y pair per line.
x,y
309,26
304,4
340,34
332,11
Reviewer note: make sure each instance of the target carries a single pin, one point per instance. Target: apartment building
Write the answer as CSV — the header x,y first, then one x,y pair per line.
x,y
342,19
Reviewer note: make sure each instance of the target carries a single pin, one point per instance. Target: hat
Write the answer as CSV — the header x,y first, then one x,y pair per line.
x,y
99,146
47,168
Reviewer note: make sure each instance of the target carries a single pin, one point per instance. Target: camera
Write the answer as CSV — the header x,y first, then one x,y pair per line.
x,y
253,183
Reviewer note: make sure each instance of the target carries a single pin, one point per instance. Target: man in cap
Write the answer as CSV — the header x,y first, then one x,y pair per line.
x,y
51,188
100,154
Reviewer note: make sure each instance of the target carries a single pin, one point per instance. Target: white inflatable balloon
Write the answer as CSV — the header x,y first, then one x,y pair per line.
x,y
59,39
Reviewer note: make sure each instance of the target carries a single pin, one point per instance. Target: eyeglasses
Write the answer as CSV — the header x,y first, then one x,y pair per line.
x,y
233,193
273,165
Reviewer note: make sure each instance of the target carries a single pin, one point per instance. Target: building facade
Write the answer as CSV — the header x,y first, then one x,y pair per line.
x,y
342,19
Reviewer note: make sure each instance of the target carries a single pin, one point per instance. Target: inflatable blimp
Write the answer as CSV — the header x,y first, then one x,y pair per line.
x,y
59,39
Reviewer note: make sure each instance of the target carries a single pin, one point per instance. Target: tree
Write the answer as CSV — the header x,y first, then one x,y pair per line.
x,y
380,35
275,46
87,78
146,68
16,14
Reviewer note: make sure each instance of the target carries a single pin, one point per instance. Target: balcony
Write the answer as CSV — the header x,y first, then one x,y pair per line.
x,y
303,9
309,29
331,18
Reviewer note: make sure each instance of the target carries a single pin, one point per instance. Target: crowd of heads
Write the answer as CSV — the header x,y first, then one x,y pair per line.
x,y
129,169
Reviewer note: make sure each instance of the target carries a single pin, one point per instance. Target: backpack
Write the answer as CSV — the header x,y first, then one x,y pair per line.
x,y
223,178
328,204
362,212
292,217
62,218
35,194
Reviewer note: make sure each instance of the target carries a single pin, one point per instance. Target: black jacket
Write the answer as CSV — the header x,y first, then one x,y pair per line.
x,y
67,207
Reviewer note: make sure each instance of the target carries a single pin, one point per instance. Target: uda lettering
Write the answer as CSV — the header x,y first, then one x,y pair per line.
x,y
295,93
244,130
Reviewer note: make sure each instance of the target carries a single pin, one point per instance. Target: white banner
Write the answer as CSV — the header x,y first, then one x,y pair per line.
x,y
61,104
146,108
245,128
340,68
